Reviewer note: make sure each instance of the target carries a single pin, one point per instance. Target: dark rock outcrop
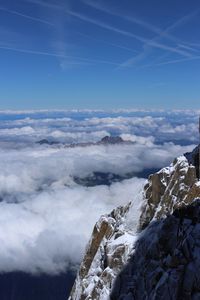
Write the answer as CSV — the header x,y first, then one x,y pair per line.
x,y
106,140
111,140
47,142
166,260
193,159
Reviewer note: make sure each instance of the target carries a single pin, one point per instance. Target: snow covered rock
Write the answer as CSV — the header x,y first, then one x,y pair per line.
x,y
166,261
106,254
113,242
167,190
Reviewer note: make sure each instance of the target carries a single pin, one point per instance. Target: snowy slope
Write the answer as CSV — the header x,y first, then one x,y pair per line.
x,y
107,252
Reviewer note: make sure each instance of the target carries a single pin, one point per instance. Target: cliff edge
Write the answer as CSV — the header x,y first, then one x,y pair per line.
x,y
111,258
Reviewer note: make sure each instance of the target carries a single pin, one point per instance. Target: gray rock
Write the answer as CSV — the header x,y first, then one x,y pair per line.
x,y
166,258
175,273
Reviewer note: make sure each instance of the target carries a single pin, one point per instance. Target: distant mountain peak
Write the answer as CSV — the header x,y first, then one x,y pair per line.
x,y
106,140
111,140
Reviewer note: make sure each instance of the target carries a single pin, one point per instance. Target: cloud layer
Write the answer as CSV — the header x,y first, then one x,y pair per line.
x,y
84,126
45,217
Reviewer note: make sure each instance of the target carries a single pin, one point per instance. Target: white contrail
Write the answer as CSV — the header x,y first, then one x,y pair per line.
x,y
58,55
151,43
13,12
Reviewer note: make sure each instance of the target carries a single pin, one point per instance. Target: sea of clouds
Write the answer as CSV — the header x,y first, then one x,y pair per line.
x,y
46,218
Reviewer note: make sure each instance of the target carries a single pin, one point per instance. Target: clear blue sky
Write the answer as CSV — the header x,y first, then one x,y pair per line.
x,y
99,54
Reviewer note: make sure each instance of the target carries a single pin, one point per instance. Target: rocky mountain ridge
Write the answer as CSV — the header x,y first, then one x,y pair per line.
x,y
106,140
168,189
166,261
113,243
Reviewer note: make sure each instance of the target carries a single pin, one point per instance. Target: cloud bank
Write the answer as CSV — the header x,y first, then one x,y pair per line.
x,y
87,126
46,218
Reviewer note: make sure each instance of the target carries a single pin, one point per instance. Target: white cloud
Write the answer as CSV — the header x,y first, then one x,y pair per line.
x,y
45,217
88,126
17,131
47,231
138,139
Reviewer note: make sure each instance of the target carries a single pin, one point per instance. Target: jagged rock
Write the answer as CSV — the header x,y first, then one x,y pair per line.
x,y
106,254
166,261
166,251
193,193
193,159
106,140
168,189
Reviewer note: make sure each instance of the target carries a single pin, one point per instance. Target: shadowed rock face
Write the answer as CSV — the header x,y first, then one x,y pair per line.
x,y
193,158
166,261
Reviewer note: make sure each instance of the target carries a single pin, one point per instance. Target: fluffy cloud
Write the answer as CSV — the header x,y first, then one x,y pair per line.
x,y
46,218
47,231
83,126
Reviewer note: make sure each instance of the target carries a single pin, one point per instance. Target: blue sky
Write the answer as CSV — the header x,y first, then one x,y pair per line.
x,y
99,54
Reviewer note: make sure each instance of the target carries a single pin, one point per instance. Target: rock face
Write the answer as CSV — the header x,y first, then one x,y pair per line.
x,y
106,254
167,190
166,261
193,158
159,264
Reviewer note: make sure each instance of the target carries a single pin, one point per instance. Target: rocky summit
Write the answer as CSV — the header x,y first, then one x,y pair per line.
x,y
149,252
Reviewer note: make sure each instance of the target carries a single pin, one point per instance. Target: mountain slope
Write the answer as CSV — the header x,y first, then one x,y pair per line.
x,y
167,190
166,261
114,236
106,254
